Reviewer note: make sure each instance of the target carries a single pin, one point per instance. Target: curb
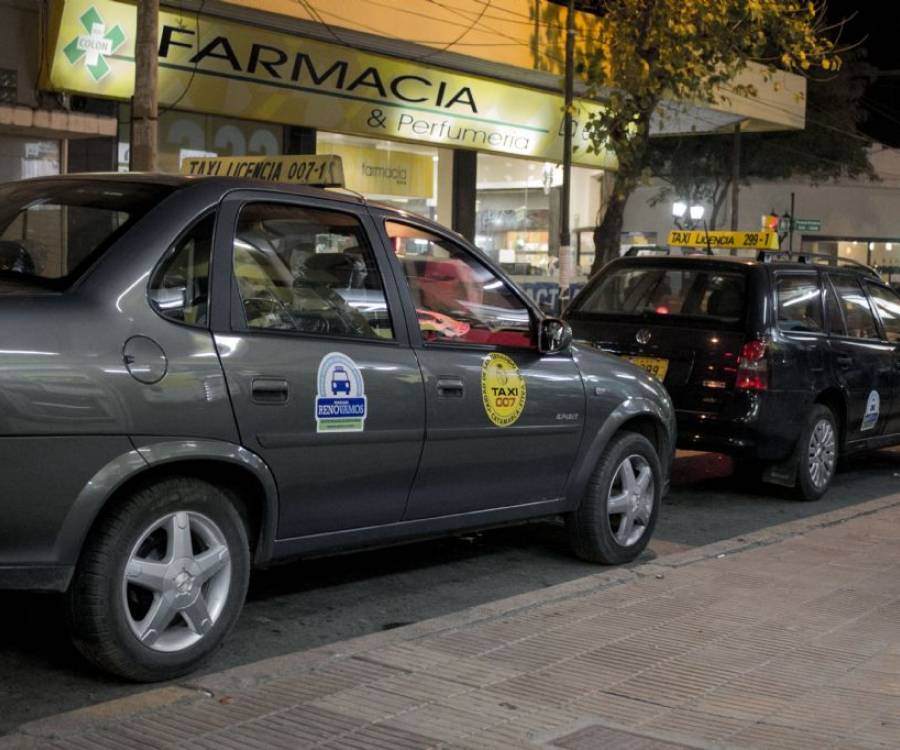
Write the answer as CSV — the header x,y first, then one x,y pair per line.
x,y
236,679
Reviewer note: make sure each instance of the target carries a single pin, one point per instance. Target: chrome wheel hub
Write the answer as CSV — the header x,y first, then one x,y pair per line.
x,y
176,581
821,453
629,506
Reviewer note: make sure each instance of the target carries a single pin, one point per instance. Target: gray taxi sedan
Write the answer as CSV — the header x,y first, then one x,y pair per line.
x,y
200,376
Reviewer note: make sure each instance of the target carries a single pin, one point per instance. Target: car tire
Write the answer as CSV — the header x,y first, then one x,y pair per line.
x,y
161,580
614,497
817,454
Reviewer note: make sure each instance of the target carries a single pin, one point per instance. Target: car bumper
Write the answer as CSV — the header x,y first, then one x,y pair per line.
x,y
763,426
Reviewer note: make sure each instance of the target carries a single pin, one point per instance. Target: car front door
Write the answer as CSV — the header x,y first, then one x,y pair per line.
x,y
503,421
861,362
887,305
325,386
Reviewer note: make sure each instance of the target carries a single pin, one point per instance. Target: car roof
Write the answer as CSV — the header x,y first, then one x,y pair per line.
x,y
773,262
177,181
224,185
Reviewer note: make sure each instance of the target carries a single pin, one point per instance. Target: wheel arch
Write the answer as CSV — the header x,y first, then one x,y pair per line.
x,y
639,415
238,472
835,400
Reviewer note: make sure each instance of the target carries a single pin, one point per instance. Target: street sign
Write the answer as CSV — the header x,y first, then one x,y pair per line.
x,y
808,225
727,240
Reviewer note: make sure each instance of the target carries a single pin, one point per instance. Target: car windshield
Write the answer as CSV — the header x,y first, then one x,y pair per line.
x,y
51,230
666,291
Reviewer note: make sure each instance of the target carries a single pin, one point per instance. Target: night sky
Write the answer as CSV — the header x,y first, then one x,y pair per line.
x,y
876,28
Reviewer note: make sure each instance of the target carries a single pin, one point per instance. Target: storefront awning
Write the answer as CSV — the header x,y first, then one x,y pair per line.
x,y
238,60
519,41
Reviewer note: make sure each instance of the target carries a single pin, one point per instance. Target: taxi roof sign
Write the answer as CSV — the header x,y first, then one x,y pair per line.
x,y
318,171
725,240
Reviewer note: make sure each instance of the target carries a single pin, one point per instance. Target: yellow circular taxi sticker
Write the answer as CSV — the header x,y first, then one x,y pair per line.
x,y
502,389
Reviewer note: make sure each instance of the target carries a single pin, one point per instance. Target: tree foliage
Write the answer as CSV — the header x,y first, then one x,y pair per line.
x,y
646,51
698,168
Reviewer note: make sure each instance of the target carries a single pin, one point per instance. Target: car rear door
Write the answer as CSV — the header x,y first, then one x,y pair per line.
x,y
860,361
324,384
503,420
887,305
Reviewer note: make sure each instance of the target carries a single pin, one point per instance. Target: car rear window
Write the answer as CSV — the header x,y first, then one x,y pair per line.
x,y
50,231
657,291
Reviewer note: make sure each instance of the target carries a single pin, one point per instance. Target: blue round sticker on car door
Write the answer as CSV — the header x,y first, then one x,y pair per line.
x,y
341,395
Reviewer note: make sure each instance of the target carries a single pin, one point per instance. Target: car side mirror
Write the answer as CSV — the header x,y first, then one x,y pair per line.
x,y
554,335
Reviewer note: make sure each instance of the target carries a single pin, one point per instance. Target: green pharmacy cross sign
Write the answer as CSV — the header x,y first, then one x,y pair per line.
x,y
95,45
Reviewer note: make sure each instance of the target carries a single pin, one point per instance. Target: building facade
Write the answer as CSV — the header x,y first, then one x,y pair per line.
x,y
452,111
856,219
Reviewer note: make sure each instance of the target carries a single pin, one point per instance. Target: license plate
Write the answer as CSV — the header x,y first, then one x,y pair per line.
x,y
656,366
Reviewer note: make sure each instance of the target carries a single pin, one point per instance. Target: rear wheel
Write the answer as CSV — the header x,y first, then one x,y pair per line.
x,y
161,581
816,454
615,520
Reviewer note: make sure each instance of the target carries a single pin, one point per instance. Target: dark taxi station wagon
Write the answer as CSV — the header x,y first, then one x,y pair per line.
x,y
785,361
203,375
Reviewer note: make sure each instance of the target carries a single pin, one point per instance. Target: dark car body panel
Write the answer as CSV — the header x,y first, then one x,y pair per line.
x,y
78,426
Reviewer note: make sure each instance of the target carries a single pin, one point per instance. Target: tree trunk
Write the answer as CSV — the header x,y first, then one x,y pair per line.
x,y
719,195
608,234
144,105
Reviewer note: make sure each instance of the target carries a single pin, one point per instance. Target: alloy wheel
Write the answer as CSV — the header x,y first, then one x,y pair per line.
x,y
176,581
630,503
821,453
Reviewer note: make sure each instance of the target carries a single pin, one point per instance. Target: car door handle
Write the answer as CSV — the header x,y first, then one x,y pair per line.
x,y
269,390
450,388
844,360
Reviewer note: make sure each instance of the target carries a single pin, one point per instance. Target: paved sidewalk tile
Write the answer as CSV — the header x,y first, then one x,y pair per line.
x,y
789,641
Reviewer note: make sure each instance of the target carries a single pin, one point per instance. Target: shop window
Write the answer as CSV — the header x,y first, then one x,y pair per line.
x,y
180,288
858,316
799,303
309,271
888,305
23,158
458,299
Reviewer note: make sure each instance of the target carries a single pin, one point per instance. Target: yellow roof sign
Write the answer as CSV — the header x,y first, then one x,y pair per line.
x,y
725,240
320,171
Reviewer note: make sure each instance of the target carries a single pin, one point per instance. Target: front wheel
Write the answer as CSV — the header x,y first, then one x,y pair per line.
x,y
817,454
161,581
615,520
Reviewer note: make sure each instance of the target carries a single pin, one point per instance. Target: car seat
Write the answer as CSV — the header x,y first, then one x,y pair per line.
x,y
344,270
727,301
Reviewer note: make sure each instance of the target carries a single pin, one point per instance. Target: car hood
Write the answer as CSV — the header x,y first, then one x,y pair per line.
x,y
606,371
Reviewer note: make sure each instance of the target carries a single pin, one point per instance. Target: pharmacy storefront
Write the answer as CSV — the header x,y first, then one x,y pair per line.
x,y
475,152
229,89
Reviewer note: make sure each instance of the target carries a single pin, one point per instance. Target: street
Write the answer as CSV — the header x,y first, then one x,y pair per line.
x,y
314,602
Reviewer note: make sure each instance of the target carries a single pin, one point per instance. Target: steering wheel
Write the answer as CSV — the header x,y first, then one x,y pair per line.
x,y
277,310
351,321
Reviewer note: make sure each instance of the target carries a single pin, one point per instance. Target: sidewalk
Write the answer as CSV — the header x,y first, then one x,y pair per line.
x,y
788,638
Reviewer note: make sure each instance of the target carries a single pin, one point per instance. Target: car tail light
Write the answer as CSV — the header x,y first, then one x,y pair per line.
x,y
753,367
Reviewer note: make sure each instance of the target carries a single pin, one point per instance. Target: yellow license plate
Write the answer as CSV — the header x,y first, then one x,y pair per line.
x,y
656,366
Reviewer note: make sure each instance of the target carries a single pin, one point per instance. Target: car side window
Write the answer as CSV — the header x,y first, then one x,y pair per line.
x,y
308,270
857,313
799,303
179,290
888,305
458,299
